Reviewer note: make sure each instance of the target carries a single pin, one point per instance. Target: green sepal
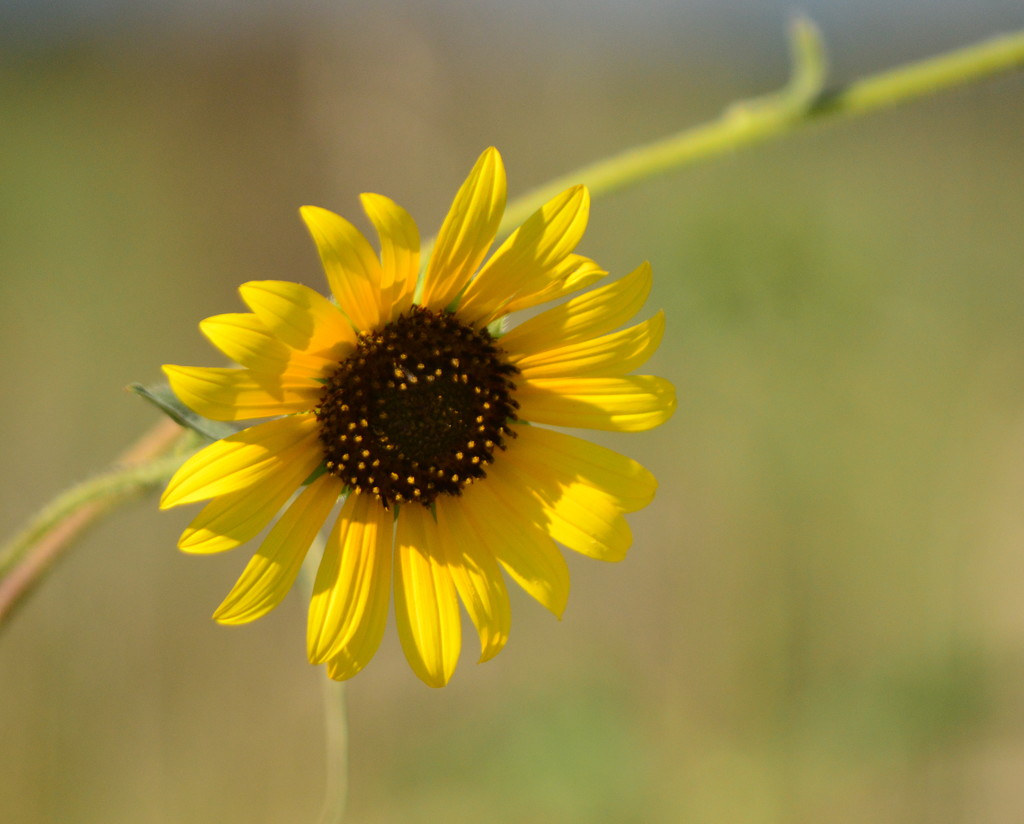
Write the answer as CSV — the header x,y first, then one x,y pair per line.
x,y
497,328
161,396
316,473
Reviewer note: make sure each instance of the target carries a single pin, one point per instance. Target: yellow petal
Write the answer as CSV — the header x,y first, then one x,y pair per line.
x,y
399,252
477,577
528,260
526,553
628,404
607,356
271,572
350,264
580,517
352,659
583,461
582,317
368,632
467,231
301,317
225,394
426,604
363,645
564,491
353,583
233,519
246,340
241,460
572,274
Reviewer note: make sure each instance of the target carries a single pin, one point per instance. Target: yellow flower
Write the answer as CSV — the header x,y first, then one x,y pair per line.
x,y
406,408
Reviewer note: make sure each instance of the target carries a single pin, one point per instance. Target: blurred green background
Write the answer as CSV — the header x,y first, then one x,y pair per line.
x,y
822,615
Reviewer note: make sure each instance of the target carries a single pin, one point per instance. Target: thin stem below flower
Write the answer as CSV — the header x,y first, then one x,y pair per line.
x,y
336,763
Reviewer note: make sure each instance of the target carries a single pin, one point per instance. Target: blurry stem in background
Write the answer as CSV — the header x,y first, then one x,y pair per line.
x,y
802,102
336,734
143,466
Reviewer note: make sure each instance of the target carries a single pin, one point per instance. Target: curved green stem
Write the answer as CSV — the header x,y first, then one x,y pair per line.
x,y
29,555
803,102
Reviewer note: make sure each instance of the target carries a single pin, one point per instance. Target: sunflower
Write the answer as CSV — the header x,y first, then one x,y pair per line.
x,y
401,402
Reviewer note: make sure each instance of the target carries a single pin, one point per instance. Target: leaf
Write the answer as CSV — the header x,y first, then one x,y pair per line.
x,y
161,396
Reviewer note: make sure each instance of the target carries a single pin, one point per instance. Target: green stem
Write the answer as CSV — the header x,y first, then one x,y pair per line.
x,y
802,103
109,487
336,762
29,555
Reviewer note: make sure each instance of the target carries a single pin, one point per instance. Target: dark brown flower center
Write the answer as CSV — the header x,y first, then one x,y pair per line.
x,y
418,409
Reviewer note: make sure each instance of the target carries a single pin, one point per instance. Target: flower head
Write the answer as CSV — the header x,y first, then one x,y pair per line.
x,y
400,402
